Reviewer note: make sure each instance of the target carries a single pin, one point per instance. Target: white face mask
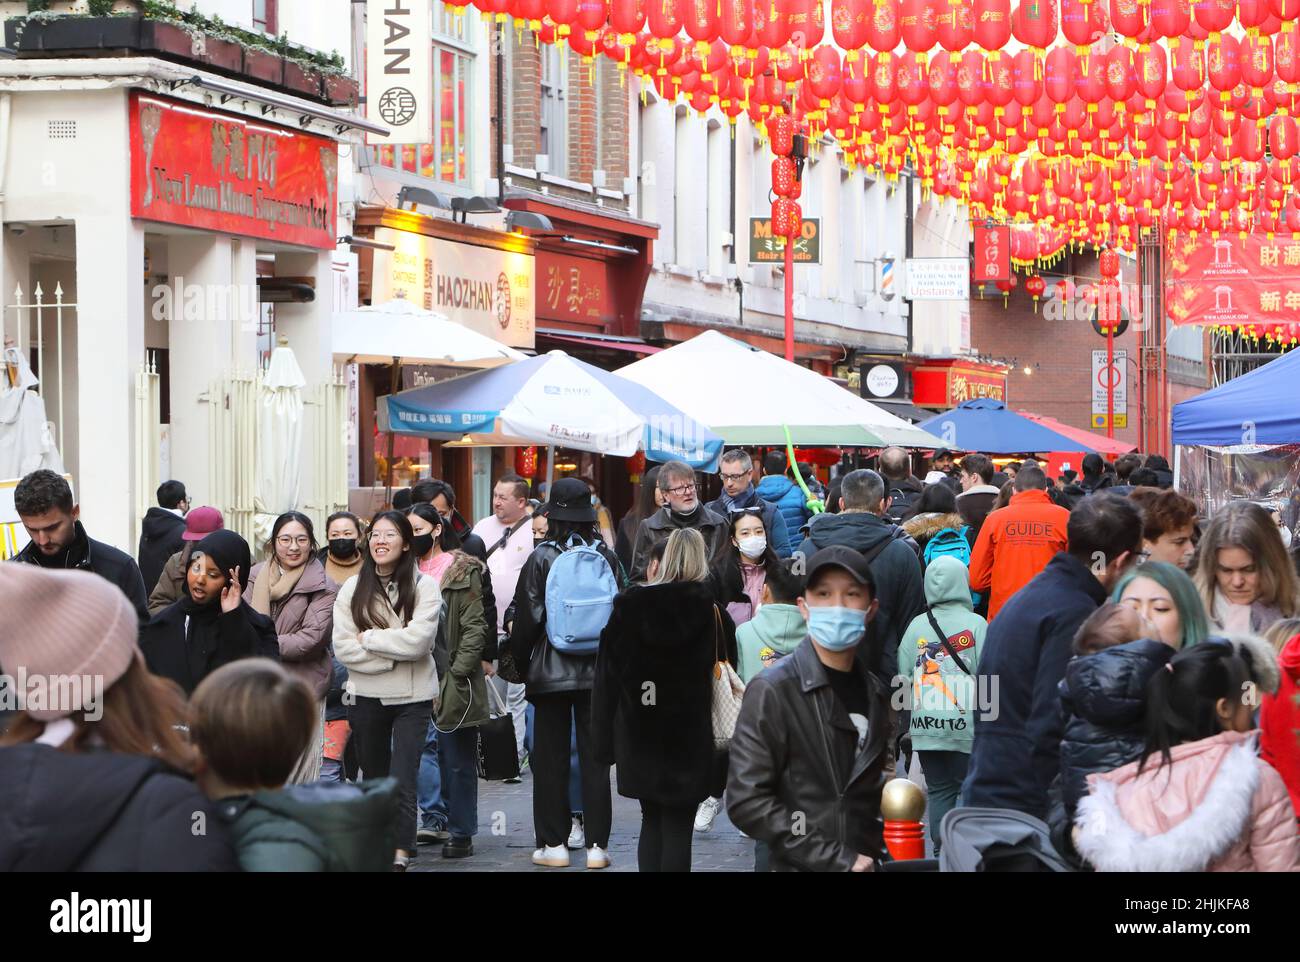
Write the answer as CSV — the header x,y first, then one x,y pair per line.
x,y
1286,536
753,548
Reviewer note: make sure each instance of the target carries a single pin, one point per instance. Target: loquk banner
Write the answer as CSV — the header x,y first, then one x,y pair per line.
x,y
1251,284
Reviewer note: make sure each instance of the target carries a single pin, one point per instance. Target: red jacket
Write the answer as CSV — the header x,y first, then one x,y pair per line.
x,y
1279,719
1015,544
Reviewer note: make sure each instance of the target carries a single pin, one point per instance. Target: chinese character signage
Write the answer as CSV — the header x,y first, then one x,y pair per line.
x,y
215,171
764,249
399,94
992,253
947,384
1231,283
574,289
486,289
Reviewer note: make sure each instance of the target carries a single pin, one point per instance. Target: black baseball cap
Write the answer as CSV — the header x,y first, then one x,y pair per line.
x,y
570,501
840,556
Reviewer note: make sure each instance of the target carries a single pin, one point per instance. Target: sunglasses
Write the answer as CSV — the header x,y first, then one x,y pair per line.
x,y
741,512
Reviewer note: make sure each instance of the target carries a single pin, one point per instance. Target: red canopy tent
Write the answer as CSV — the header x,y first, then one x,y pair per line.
x,y
1058,461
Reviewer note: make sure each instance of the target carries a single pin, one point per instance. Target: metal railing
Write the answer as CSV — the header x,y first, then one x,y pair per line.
x,y
27,330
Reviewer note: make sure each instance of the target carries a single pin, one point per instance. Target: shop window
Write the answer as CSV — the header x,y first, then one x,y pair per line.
x,y
447,158
266,16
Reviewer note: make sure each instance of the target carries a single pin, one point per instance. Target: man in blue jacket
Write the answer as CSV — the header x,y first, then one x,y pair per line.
x,y
737,473
778,489
1025,653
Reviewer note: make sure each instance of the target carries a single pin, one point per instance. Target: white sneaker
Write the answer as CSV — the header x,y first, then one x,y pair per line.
x,y
597,857
706,813
577,837
552,856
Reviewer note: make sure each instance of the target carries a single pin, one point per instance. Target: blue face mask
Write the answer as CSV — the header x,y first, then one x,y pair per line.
x,y
836,629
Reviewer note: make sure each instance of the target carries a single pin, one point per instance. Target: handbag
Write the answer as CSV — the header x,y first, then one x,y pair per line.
x,y
506,666
498,753
728,690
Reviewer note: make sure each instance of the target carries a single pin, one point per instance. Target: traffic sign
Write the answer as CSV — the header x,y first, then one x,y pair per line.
x,y
1103,378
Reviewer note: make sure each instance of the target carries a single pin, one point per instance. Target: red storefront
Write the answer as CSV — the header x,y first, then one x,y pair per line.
x,y
944,383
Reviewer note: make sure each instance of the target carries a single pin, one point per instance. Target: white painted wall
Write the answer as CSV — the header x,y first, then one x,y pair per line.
x,y
685,188
942,230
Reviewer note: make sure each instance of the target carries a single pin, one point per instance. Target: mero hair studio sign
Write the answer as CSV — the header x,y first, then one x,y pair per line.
x,y
488,289
200,168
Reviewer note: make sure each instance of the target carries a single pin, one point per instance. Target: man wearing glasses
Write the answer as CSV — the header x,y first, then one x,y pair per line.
x,y
738,493
683,510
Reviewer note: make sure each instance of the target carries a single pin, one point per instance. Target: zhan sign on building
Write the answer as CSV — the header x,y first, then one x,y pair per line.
x,y
399,94
214,171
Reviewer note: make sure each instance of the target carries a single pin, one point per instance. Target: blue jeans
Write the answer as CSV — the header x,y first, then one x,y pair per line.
x,y
433,808
458,767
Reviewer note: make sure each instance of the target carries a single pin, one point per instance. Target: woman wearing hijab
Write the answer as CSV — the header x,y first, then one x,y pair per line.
x,y
211,625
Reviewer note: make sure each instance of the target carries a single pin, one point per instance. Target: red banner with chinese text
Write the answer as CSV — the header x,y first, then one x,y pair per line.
x,y
573,289
992,253
1251,285
215,171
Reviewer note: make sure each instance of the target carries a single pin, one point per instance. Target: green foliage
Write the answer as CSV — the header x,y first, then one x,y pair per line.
x,y
36,6
101,8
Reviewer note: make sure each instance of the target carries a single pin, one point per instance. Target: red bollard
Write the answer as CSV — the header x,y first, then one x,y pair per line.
x,y
902,803
905,839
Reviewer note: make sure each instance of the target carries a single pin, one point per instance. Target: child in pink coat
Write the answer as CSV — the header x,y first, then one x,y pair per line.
x,y
1208,803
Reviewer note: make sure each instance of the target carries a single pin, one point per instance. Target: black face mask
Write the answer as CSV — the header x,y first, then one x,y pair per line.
x,y
537,541
422,544
343,547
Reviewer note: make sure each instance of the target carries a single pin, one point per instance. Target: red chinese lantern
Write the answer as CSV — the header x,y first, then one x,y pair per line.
x,y
849,20
992,24
1109,263
955,25
1083,22
531,11
663,18
824,74
787,219
1061,74
883,32
700,19
783,171
564,14
1034,287
1007,285
526,461
592,16
1214,16
627,17
918,25
1152,70
780,131
771,23
1034,23
736,23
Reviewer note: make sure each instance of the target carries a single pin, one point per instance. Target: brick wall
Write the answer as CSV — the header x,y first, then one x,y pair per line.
x,y
524,98
613,123
581,118
1058,351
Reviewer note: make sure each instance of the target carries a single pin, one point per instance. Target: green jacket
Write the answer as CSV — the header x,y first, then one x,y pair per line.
x,y
769,636
942,696
320,827
462,690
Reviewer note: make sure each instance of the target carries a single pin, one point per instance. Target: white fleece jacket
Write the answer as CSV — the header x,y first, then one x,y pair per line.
x,y
393,664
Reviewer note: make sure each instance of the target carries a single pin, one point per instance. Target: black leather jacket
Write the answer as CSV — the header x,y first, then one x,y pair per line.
x,y
545,670
795,780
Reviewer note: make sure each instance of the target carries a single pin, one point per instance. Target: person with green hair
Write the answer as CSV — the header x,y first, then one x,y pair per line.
x,y
1166,597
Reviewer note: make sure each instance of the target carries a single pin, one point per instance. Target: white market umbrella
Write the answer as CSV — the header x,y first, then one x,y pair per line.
x,y
400,329
279,442
751,397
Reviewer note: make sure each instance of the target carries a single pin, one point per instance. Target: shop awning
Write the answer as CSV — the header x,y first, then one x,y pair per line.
x,y
603,343
400,329
1088,440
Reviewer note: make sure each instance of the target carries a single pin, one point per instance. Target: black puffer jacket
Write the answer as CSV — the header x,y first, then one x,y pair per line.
x,y
545,670
105,812
1103,702
664,636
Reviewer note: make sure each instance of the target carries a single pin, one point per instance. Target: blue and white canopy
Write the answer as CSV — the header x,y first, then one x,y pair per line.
x,y
553,399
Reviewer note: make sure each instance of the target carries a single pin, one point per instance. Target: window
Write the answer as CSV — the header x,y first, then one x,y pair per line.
x,y
266,16
555,83
447,158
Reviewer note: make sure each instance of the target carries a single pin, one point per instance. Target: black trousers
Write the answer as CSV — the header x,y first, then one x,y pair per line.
x,y
552,716
389,740
665,843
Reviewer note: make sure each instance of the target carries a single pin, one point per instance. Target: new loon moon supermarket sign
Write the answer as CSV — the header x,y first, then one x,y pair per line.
x,y
200,168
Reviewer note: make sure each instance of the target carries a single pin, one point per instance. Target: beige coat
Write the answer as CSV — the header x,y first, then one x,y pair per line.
x,y
393,664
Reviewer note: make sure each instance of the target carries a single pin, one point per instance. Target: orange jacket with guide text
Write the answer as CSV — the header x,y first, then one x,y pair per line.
x,y
1015,544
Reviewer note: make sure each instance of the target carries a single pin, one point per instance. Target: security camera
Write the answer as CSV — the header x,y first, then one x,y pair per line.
x,y
18,230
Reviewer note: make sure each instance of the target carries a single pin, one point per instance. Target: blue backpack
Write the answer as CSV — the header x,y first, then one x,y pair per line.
x,y
580,590
948,542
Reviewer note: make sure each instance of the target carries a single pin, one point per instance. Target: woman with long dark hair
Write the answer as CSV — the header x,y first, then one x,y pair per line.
x,y
558,684
292,589
385,622
742,570
432,541
649,499
1208,803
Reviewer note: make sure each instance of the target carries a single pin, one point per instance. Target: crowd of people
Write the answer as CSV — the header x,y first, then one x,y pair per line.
x,y
1089,651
